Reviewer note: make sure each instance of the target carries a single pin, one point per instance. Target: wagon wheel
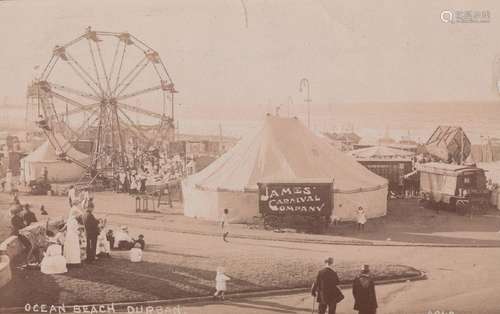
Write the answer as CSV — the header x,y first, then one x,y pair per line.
x,y
463,207
272,222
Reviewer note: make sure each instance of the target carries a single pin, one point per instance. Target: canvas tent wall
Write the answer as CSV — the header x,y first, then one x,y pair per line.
x,y
281,150
59,171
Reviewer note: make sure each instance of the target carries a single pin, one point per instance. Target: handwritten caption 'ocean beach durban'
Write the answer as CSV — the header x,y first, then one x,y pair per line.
x,y
103,308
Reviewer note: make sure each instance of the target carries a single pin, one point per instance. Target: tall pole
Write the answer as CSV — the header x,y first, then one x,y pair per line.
x,y
305,83
290,103
220,139
172,105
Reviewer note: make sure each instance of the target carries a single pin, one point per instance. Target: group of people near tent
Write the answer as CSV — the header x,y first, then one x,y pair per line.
x,y
81,237
152,171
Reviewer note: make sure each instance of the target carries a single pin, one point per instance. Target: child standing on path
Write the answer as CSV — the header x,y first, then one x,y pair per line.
x,y
225,225
220,283
361,218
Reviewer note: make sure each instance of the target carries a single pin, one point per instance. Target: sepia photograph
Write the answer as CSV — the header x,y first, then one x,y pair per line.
x,y
250,156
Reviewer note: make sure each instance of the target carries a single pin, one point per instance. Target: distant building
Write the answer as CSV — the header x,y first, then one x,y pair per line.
x,y
488,151
343,140
194,146
392,164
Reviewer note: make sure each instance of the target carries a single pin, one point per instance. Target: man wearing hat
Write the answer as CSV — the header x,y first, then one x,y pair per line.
x,y
29,216
92,231
325,288
363,290
18,223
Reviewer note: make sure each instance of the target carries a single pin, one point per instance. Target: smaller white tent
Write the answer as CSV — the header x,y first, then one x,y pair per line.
x,y
380,152
45,156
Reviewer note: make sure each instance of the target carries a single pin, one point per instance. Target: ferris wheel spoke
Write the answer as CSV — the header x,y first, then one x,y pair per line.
x,y
140,92
96,93
71,112
117,80
83,74
131,124
139,110
72,91
132,75
96,70
67,99
113,63
99,52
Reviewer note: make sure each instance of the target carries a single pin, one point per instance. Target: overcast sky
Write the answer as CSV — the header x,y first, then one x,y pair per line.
x,y
351,51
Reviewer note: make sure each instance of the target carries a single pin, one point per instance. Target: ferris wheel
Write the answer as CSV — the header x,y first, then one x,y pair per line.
x,y
107,88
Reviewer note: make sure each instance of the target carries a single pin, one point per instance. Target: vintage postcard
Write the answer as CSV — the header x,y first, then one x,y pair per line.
x,y
249,156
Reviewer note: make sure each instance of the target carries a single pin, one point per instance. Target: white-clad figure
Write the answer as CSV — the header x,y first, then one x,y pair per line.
x,y
53,262
361,218
72,239
136,253
220,283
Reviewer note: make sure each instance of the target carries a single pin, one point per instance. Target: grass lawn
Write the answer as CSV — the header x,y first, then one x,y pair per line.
x,y
116,279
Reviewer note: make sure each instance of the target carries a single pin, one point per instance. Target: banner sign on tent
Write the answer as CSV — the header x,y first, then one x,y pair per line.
x,y
313,199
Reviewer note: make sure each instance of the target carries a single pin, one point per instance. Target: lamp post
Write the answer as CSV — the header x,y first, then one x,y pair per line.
x,y
496,73
290,103
305,83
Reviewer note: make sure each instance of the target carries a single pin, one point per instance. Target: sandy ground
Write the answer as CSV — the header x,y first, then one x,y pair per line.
x,y
406,222
463,280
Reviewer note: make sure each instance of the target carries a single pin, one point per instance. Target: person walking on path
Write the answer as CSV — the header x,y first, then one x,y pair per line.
x,y
225,225
220,283
325,289
361,218
91,231
363,290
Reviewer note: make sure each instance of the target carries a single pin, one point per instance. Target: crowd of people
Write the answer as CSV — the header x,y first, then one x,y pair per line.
x,y
151,169
80,238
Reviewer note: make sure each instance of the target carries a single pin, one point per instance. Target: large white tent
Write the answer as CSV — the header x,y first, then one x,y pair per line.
x,y
282,150
59,171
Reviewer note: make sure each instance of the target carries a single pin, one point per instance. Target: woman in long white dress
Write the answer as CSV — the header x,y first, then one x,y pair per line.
x,y
72,239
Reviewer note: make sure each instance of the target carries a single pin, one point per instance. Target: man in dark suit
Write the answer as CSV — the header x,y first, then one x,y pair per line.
x,y
363,290
29,216
18,223
92,231
326,290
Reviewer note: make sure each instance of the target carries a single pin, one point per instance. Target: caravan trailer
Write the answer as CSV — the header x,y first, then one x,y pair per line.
x,y
460,188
